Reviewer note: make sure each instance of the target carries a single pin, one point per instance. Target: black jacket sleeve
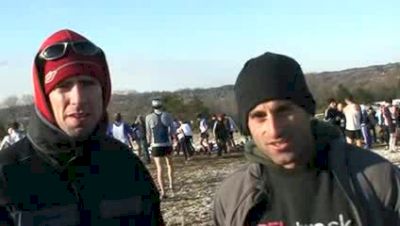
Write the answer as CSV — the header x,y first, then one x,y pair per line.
x,y
151,199
5,217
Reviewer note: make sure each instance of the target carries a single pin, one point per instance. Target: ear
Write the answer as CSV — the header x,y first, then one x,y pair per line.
x,y
40,99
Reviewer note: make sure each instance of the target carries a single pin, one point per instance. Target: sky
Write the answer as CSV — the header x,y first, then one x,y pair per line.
x,y
172,45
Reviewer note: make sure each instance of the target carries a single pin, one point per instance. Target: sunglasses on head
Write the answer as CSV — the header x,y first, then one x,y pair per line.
x,y
58,50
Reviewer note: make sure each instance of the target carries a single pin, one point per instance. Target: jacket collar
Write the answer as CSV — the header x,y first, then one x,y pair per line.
x,y
54,145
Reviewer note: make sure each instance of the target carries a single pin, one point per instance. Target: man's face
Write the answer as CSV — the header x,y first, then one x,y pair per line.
x,y
77,105
281,130
340,107
332,104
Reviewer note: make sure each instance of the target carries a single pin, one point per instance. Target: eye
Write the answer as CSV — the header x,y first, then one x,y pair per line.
x,y
284,109
65,85
87,83
257,115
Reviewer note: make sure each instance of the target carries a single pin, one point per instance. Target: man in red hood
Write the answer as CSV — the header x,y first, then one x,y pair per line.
x,y
67,171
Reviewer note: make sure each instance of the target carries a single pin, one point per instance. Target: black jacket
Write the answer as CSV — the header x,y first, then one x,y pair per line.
x,y
48,179
370,182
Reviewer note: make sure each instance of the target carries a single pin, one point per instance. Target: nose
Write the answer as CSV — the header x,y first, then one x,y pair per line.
x,y
273,127
77,94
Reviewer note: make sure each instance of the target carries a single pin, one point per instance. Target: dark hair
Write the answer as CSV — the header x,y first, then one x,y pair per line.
x,y
14,125
140,120
118,117
350,98
331,99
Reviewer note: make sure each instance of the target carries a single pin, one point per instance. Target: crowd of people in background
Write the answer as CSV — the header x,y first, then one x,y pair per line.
x,y
363,125
216,135
220,126
366,125
161,135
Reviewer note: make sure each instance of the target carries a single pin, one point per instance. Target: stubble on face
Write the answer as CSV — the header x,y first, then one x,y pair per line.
x,y
77,105
281,130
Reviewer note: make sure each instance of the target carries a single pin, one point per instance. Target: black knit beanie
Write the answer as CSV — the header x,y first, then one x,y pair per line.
x,y
268,77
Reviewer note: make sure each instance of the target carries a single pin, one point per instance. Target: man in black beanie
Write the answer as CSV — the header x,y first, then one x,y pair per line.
x,y
300,170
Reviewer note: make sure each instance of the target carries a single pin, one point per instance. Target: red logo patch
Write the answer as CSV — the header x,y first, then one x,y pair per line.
x,y
273,223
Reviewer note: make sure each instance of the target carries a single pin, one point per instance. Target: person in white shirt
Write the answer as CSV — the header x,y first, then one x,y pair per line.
x,y
203,126
121,131
185,135
352,112
6,142
13,136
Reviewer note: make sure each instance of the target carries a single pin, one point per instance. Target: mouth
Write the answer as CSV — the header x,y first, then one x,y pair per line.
x,y
79,116
279,145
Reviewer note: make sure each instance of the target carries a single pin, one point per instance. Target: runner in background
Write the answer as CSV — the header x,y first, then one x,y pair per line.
x,y
203,126
160,132
121,131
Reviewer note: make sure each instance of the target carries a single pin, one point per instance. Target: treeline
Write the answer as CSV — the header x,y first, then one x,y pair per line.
x,y
186,104
130,106
360,94
367,85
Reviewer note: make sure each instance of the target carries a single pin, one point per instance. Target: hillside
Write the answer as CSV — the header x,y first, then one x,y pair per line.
x,y
367,84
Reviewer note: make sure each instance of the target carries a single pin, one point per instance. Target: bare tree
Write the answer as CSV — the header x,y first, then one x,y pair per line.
x,y
10,101
26,99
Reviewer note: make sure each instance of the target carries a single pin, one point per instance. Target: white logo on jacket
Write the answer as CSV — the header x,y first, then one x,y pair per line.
x,y
341,222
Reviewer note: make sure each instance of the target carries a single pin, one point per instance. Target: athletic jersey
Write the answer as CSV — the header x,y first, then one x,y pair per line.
x,y
353,117
203,125
11,139
6,142
159,127
121,132
15,136
180,134
232,125
187,130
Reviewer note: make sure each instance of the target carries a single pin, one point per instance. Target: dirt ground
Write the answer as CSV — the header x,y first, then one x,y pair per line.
x,y
195,184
